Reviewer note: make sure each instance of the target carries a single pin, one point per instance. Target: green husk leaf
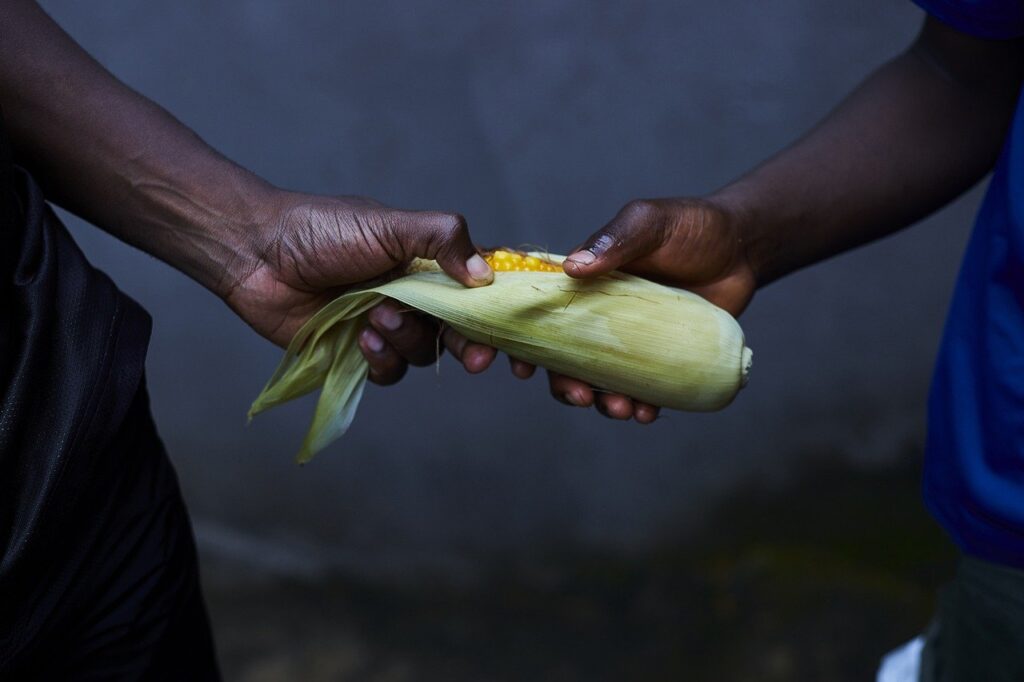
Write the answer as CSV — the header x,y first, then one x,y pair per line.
x,y
340,396
621,333
309,355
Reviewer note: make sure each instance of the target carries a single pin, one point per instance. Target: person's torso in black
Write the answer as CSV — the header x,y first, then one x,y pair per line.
x,y
97,561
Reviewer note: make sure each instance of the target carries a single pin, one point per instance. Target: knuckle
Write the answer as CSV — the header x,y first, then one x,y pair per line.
x,y
378,364
640,211
390,374
456,221
451,228
440,234
391,322
376,315
455,342
387,221
555,385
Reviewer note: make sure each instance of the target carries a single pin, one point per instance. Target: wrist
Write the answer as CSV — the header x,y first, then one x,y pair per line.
x,y
216,234
741,213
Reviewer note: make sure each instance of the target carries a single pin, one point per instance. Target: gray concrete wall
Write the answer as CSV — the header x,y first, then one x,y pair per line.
x,y
537,120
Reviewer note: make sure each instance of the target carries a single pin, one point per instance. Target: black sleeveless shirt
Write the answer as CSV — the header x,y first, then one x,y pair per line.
x,y
72,351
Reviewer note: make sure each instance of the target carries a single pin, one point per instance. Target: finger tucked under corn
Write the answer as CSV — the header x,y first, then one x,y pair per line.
x,y
618,332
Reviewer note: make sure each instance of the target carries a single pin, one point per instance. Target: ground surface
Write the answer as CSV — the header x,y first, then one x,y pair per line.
x,y
812,582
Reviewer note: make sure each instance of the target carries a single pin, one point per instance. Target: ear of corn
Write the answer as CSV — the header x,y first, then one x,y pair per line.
x,y
503,260
621,333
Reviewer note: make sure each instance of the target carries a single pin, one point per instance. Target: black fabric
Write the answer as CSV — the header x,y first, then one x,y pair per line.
x,y
98,573
978,631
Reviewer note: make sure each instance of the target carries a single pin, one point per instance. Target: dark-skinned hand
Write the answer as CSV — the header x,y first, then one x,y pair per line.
x,y
311,249
687,243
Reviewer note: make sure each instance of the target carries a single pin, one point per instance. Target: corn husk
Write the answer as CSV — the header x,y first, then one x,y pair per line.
x,y
618,332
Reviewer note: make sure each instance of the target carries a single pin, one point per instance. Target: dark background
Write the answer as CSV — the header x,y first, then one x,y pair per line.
x,y
470,527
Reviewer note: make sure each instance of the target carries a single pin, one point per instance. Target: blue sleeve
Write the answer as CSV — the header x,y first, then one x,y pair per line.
x,y
995,19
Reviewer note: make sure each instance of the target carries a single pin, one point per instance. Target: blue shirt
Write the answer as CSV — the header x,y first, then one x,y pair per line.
x,y
974,463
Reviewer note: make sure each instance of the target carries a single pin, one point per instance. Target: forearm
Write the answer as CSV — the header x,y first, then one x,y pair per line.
x,y
916,134
117,159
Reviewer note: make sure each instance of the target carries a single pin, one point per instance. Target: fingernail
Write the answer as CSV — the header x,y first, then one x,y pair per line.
x,y
389,318
479,269
373,341
583,257
573,399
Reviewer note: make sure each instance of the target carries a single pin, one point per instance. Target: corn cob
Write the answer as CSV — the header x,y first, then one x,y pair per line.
x,y
619,332
503,260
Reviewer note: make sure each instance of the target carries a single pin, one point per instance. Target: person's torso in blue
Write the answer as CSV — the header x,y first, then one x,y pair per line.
x,y
974,465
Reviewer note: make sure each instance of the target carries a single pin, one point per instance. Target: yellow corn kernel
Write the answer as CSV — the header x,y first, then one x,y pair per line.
x,y
507,260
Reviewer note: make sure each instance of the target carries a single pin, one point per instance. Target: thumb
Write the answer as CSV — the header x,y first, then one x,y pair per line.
x,y
634,232
443,237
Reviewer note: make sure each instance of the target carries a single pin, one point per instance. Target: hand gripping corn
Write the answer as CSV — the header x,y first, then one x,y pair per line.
x,y
618,332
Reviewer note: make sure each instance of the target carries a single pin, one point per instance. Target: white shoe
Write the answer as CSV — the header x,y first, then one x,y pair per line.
x,y
902,664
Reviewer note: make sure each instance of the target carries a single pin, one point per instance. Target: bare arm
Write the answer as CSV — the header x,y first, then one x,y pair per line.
x,y
117,159
123,163
917,133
